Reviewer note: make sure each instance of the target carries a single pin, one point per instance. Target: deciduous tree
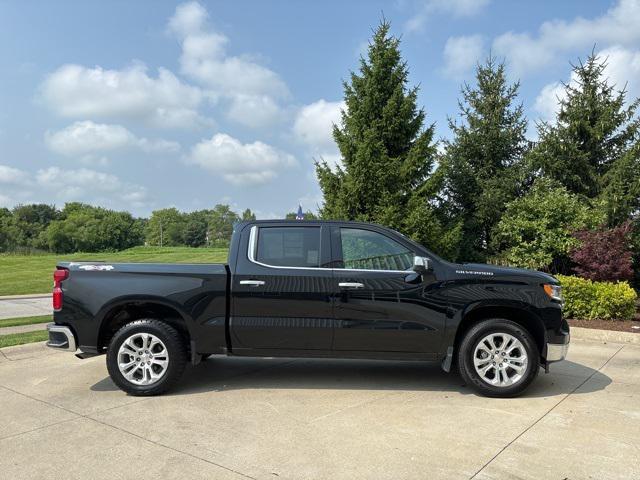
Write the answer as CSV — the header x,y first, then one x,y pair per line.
x,y
536,231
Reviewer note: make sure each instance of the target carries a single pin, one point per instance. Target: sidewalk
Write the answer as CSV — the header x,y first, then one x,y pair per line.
x,y
14,306
23,328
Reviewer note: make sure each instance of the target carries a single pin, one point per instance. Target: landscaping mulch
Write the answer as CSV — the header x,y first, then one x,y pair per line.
x,y
616,325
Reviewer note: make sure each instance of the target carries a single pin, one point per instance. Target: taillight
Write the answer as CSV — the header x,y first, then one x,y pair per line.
x,y
59,275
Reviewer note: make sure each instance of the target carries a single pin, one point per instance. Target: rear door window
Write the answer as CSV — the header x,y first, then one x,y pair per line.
x,y
289,246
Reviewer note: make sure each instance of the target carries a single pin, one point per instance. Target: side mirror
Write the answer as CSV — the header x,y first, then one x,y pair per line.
x,y
421,265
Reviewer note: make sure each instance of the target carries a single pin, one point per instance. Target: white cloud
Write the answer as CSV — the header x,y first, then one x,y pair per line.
x,y
74,91
254,110
456,8
238,163
252,91
619,25
58,185
87,137
461,54
6,201
84,184
622,71
314,123
313,127
11,175
547,102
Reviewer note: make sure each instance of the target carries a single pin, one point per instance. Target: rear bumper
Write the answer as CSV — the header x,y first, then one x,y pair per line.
x,y
61,338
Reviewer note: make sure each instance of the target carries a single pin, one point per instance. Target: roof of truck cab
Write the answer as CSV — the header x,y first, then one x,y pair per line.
x,y
242,224
299,222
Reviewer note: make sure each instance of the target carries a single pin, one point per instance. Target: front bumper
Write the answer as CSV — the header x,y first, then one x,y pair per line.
x,y
61,338
557,351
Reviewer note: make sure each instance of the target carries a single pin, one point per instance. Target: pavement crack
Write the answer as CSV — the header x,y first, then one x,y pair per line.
x,y
41,401
349,407
39,428
78,416
545,414
170,448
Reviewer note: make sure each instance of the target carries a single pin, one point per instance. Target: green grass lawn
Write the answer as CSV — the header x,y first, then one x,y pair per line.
x,y
16,322
22,274
20,338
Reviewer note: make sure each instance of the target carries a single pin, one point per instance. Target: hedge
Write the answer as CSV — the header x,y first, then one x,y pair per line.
x,y
590,300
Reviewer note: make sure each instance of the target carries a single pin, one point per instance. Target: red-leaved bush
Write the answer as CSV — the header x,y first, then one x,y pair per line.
x,y
605,254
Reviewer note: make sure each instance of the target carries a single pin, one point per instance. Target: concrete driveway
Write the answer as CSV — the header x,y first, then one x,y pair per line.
x,y
319,419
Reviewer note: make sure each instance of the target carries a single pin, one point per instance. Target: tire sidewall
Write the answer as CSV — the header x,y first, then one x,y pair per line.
x,y
175,351
467,349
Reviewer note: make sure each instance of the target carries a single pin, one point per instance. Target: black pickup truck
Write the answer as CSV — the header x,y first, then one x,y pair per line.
x,y
312,289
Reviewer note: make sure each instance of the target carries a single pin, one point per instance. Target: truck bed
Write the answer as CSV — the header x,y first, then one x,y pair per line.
x,y
97,290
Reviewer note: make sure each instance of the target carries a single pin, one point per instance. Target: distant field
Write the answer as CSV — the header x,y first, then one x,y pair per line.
x,y
22,274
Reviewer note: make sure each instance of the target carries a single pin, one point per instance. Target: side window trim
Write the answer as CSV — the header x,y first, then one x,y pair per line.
x,y
253,247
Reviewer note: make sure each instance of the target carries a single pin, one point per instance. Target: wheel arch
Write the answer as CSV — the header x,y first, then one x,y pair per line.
x,y
520,314
125,310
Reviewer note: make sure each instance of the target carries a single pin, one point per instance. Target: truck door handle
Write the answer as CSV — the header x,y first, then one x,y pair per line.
x,y
351,285
252,283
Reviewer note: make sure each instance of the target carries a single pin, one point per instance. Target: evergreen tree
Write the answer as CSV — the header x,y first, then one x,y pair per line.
x,y
387,154
248,215
592,149
482,166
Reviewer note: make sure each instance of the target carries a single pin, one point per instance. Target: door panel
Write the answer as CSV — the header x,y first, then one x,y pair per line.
x,y
393,310
387,314
292,309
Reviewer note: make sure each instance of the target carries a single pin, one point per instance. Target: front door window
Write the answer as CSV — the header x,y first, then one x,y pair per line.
x,y
368,250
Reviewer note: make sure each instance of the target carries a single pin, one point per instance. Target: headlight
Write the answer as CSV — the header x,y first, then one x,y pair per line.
x,y
553,291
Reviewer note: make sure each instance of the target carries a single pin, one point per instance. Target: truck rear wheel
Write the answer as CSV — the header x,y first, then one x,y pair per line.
x,y
498,358
146,357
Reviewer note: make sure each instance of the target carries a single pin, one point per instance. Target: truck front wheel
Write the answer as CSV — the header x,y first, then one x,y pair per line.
x,y
498,358
146,357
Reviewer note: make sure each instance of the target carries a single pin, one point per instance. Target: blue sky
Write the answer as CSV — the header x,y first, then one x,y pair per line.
x,y
150,104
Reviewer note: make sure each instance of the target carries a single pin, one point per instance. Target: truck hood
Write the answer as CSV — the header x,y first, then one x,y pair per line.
x,y
482,270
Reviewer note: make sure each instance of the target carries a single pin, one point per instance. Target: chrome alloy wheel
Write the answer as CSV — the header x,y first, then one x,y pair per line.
x,y
143,359
500,359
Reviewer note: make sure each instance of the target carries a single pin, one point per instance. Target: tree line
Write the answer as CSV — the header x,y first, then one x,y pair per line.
x,y
80,227
567,202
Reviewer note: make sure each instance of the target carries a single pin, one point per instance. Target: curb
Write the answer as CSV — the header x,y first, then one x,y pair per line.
x,y
594,334
28,350
25,297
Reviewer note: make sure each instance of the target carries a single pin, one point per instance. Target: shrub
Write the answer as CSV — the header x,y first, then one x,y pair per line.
x,y
586,299
604,255
536,230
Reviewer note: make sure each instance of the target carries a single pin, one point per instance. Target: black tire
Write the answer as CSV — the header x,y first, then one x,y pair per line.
x,y
175,348
472,338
